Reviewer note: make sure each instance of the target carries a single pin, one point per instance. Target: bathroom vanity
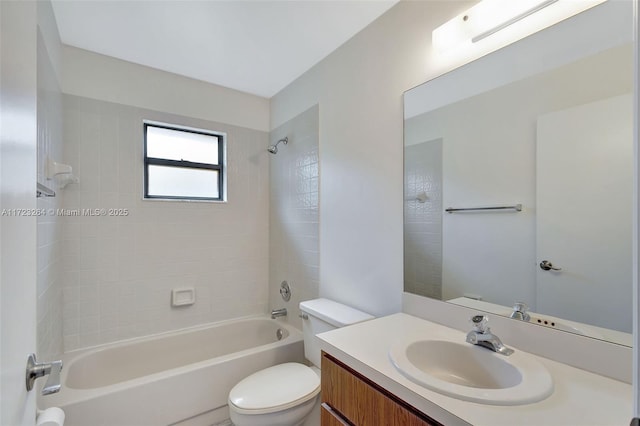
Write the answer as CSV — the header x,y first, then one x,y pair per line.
x,y
350,398
361,385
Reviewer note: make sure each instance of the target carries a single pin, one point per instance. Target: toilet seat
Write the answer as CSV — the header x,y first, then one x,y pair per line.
x,y
275,389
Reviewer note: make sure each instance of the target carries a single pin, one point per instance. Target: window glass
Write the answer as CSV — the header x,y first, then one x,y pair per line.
x,y
184,182
181,145
183,163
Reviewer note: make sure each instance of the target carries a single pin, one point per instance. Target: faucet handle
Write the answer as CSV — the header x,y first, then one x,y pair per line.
x,y
53,382
520,307
480,323
520,311
38,369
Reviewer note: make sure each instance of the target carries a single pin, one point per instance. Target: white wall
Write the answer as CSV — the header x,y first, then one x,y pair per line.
x,y
102,77
359,88
636,210
293,213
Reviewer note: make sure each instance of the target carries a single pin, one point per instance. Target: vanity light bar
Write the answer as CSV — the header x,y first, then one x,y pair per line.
x,y
489,17
512,20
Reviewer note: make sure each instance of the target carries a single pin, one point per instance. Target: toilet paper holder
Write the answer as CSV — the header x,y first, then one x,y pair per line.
x,y
38,369
52,416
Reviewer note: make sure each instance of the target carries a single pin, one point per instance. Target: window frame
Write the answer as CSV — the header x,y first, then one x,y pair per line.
x,y
220,167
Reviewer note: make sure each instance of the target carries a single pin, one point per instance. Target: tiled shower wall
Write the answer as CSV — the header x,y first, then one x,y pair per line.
x,y
423,219
49,238
294,219
119,270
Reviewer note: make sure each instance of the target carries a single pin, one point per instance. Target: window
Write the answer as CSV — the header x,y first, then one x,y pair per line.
x,y
182,163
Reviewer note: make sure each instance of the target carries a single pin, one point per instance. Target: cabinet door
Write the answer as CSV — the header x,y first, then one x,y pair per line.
x,y
362,402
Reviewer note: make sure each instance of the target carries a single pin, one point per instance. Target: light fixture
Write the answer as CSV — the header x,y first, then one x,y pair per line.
x,y
517,15
491,16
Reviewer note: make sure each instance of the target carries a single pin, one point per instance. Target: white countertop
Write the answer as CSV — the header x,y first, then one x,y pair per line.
x,y
579,397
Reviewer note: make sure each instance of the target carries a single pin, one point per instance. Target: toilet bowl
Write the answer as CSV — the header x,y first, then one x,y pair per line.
x,y
285,394
276,396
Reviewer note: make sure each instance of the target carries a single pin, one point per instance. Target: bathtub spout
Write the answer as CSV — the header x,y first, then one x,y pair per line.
x,y
278,313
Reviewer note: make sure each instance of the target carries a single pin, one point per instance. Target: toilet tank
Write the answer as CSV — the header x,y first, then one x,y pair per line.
x,y
324,315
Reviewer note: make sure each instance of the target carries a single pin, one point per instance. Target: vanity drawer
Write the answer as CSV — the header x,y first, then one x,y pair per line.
x,y
356,399
328,417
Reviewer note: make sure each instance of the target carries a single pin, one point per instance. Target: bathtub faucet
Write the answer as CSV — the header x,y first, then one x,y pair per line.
x,y
38,369
278,313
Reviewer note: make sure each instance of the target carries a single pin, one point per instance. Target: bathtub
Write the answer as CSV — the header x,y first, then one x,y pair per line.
x,y
180,377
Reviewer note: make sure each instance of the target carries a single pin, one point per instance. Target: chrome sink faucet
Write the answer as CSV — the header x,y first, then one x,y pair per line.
x,y
481,335
520,312
278,313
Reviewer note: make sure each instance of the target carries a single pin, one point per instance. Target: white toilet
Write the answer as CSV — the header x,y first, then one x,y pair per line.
x,y
285,394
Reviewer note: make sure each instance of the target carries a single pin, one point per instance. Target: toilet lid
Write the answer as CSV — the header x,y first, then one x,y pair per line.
x,y
275,388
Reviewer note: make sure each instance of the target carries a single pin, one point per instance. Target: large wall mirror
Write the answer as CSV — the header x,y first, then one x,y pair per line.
x,y
540,132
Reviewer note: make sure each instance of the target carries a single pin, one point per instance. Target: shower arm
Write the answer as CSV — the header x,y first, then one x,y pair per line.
x,y
274,148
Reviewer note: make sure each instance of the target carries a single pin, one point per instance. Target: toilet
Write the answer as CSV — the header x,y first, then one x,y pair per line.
x,y
285,394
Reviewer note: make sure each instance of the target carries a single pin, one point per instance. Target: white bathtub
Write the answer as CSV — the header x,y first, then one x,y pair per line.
x,y
175,377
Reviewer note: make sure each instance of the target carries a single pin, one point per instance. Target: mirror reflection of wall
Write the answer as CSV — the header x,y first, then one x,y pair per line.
x,y
526,142
423,218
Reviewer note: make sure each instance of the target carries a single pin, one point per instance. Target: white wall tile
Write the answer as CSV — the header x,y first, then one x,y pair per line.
x,y
293,239
49,257
423,220
125,267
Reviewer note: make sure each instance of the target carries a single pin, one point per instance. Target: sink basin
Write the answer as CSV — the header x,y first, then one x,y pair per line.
x,y
472,373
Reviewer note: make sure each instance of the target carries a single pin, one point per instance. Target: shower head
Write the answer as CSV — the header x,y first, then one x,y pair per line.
x,y
273,149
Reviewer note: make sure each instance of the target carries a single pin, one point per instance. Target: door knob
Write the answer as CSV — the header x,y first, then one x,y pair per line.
x,y
548,266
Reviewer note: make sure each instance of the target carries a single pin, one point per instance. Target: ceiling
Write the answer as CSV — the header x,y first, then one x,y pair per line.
x,y
257,46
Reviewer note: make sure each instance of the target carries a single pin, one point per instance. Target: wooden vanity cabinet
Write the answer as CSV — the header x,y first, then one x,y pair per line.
x,y
348,398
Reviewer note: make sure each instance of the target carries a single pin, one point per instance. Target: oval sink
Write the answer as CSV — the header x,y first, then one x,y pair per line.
x,y
472,373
